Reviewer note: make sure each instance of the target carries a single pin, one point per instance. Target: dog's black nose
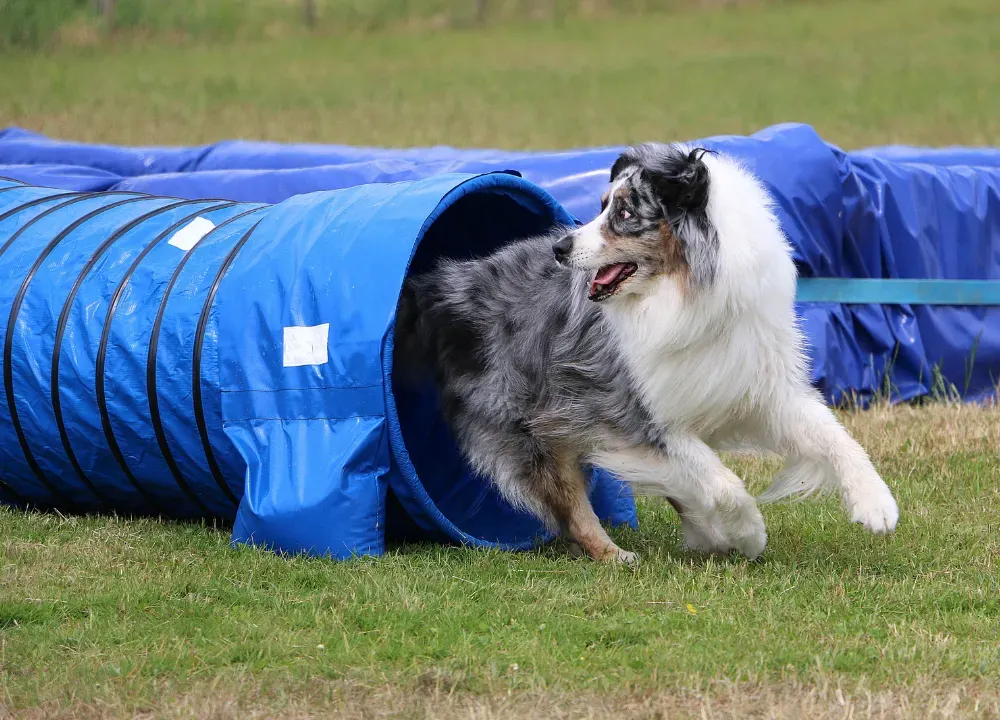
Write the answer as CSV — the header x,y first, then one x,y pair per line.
x,y
562,247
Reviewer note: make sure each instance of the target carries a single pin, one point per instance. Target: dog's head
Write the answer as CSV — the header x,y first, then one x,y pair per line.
x,y
654,223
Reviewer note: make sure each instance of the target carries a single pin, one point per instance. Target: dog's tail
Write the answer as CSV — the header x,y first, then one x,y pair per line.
x,y
412,349
798,480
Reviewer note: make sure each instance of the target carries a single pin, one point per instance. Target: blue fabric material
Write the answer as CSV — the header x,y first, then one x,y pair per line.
x,y
127,393
143,374
67,177
918,220
885,212
24,147
954,156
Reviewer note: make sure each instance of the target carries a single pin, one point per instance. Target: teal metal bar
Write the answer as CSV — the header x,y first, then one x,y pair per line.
x,y
870,291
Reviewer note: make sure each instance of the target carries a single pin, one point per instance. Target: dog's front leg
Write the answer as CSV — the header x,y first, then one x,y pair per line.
x,y
819,450
717,513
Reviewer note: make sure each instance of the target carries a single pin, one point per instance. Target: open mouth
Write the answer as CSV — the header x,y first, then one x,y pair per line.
x,y
609,280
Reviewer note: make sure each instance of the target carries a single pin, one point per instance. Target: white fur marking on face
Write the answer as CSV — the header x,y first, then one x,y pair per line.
x,y
588,242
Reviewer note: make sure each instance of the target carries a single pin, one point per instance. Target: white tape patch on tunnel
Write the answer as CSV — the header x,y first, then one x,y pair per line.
x,y
192,233
306,345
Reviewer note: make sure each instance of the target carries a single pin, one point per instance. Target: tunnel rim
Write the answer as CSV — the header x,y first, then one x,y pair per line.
x,y
411,492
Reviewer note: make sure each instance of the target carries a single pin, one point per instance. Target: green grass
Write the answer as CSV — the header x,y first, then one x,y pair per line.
x,y
31,24
109,617
138,614
916,71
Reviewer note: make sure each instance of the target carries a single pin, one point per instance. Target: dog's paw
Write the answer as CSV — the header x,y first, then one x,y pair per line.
x,y
612,554
875,508
702,538
751,542
624,557
745,529
740,528
616,556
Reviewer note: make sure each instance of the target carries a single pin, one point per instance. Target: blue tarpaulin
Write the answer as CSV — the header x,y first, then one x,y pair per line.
x,y
149,376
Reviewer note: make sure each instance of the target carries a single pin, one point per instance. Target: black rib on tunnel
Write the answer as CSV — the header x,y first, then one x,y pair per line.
x,y
32,203
57,494
199,341
55,197
476,225
102,349
76,491
61,331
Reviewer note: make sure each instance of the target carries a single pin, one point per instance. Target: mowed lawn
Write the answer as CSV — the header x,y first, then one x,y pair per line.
x,y
862,72
103,618
116,618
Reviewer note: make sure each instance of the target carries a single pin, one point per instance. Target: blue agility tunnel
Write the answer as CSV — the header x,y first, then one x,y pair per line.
x,y
207,358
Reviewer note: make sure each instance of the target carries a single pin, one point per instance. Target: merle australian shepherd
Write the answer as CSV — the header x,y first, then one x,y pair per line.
x,y
641,342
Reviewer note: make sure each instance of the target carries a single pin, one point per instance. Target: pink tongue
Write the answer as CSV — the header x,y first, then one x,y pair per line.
x,y
608,274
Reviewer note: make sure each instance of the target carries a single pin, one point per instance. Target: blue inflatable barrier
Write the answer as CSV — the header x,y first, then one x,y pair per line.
x,y
882,213
208,358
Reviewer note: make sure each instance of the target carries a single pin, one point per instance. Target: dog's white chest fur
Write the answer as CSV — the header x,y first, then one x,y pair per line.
x,y
692,376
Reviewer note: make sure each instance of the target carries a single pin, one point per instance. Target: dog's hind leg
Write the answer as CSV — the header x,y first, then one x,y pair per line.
x,y
554,488
717,513
562,487
819,452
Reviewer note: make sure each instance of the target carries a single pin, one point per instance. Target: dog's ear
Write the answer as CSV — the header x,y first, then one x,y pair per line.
x,y
681,181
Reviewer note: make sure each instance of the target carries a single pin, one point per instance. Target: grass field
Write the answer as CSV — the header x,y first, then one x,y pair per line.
x,y
116,618
917,71
107,617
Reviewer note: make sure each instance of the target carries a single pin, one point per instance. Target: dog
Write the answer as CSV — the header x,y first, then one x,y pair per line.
x,y
641,342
